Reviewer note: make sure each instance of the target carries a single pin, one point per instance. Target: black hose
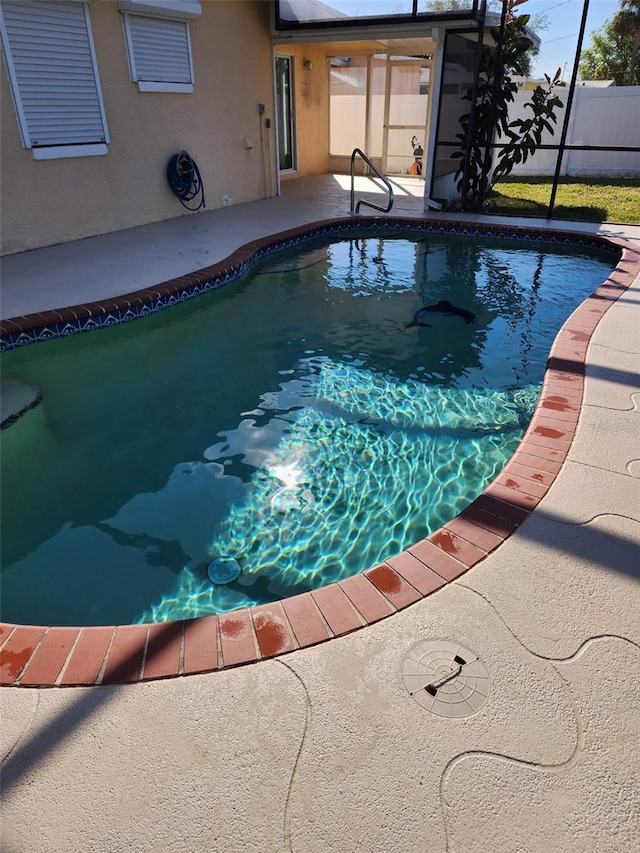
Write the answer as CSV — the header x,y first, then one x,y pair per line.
x,y
185,180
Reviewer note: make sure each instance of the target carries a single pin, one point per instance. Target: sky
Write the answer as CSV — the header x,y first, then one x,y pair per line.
x,y
559,41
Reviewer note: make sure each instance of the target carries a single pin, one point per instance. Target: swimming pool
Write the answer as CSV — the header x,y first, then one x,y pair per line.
x,y
152,472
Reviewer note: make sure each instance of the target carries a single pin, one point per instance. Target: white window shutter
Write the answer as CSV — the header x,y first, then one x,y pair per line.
x,y
159,50
52,68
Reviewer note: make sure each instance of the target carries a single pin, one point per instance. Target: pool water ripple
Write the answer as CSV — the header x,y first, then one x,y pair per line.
x,y
290,421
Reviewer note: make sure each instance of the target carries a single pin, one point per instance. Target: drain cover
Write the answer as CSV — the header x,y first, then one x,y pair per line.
x,y
445,678
223,570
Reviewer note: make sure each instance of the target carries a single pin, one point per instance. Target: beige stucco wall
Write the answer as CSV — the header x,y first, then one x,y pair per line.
x,y
53,201
312,109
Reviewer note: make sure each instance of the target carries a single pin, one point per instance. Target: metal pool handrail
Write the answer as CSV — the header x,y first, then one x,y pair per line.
x,y
383,178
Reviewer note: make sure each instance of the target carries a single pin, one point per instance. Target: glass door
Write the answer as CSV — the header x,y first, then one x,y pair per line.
x,y
285,114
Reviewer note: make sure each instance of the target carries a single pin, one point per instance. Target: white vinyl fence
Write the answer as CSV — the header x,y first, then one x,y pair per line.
x,y
598,117
347,128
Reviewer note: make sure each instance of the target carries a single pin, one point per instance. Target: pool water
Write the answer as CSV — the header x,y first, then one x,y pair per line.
x,y
289,421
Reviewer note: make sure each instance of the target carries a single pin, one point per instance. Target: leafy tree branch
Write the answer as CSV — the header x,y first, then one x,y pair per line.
x,y
489,112
614,52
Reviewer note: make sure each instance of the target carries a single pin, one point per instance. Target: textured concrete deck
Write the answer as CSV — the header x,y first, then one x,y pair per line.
x,y
324,749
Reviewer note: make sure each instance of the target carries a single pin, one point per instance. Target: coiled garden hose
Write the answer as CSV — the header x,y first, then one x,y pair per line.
x,y
185,180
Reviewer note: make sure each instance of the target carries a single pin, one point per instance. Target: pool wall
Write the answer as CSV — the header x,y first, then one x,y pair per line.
x,y
39,656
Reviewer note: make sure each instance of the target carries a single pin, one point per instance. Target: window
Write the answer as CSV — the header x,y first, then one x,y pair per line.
x,y
54,78
159,53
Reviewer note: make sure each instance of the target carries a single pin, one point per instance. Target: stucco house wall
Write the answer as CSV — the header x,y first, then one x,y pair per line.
x,y
311,87
52,201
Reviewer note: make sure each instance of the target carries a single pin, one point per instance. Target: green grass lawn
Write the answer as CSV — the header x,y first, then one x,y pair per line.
x,y
585,199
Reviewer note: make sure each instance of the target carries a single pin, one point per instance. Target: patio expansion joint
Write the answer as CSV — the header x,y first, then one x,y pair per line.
x,y
580,737
634,407
28,724
286,827
585,522
560,767
539,767
591,466
610,348
548,658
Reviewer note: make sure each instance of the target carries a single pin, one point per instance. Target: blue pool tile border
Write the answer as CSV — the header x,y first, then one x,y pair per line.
x,y
18,332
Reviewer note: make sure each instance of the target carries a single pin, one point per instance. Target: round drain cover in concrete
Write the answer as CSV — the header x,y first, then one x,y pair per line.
x,y
445,678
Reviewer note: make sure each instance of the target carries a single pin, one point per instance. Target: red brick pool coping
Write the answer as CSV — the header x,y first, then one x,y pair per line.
x,y
38,656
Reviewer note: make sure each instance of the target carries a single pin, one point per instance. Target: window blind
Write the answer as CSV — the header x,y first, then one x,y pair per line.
x,y
52,68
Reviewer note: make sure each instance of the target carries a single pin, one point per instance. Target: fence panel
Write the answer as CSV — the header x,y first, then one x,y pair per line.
x,y
347,127
599,117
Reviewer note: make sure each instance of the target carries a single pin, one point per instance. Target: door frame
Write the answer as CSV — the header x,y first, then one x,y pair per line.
x,y
420,131
285,113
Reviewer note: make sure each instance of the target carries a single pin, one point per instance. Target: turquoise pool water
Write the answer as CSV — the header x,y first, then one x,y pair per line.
x,y
290,421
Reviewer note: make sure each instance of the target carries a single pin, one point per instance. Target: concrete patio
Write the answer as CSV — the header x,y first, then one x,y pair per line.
x,y
324,750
